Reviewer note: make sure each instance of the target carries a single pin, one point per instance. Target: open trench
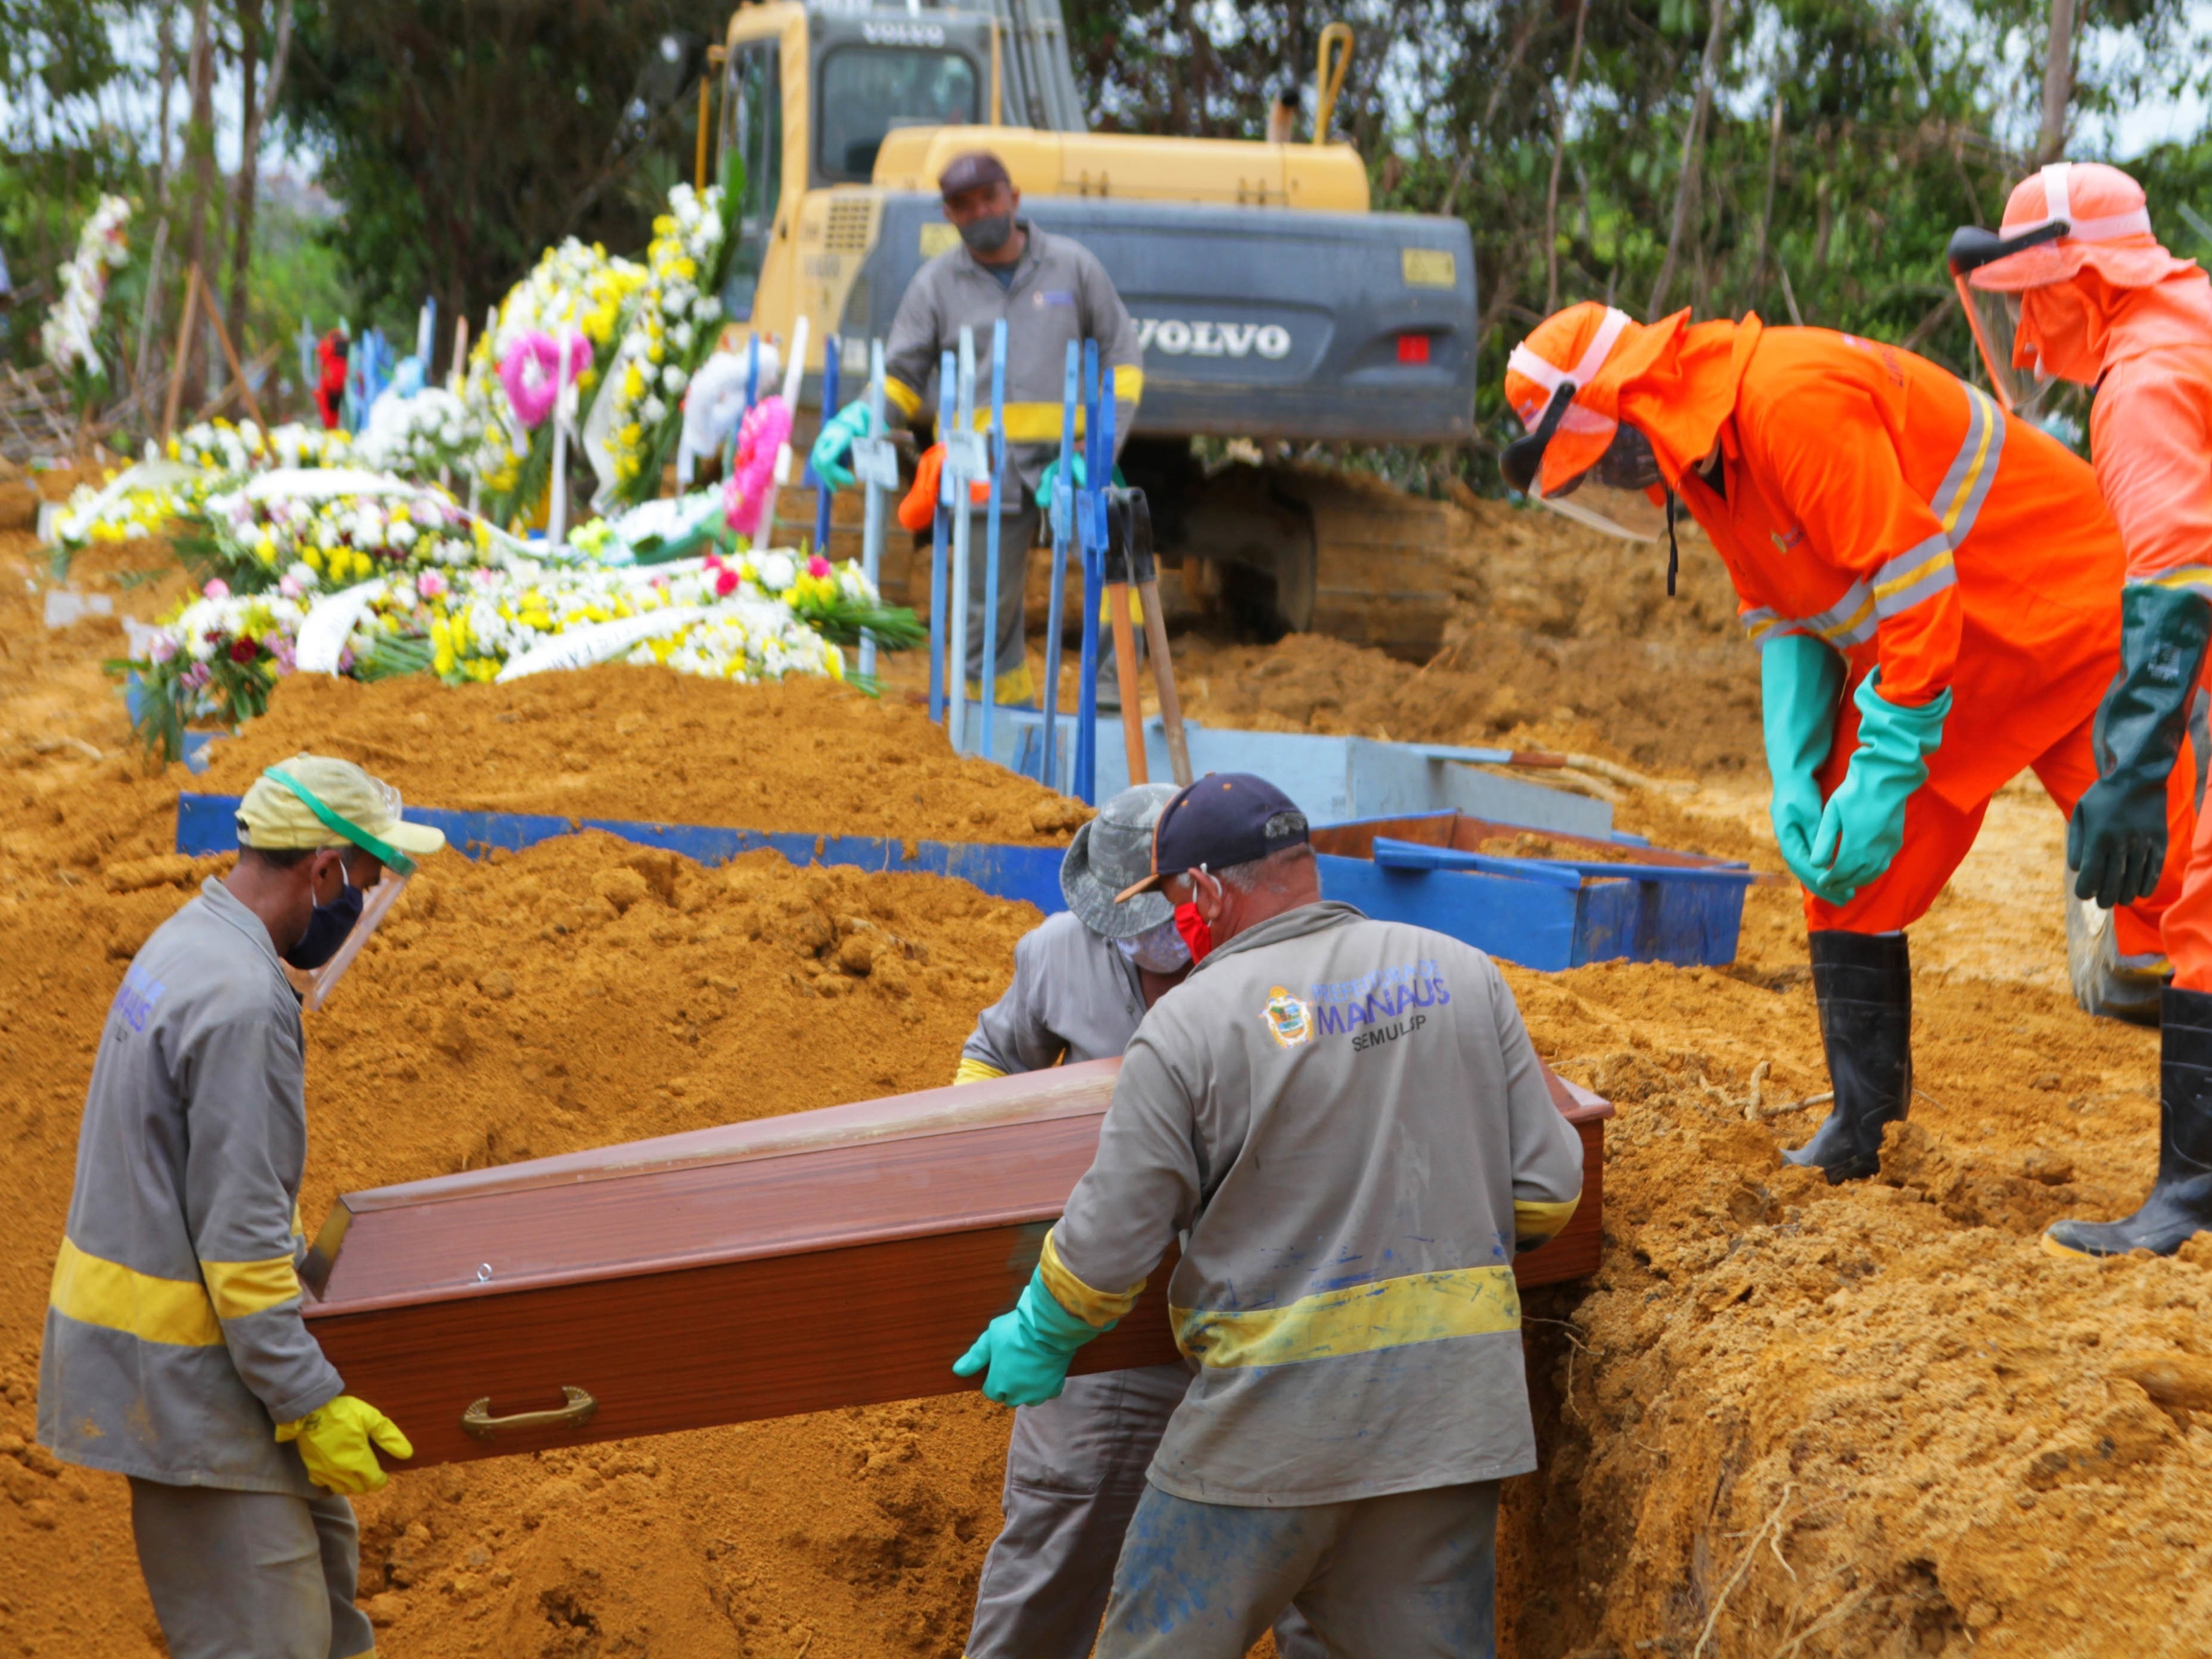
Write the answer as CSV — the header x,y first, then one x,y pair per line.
x,y
1784,1420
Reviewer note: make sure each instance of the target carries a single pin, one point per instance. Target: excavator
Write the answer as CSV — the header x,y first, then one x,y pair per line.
x,y
1276,308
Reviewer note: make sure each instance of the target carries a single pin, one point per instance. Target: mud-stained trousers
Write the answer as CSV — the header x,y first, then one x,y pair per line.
x,y
1412,1576
1075,1474
250,1575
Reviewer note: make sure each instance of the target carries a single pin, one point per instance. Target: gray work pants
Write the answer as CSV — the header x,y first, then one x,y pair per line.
x,y
1075,1472
1017,529
250,1575
1413,1576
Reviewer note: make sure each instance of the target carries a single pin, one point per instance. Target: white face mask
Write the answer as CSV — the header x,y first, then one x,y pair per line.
x,y
1159,950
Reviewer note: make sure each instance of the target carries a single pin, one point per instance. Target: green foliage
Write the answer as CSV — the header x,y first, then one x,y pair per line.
x,y
1899,120
465,137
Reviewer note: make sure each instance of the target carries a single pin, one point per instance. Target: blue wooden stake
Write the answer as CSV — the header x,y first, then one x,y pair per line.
x,y
990,531
1062,508
822,493
1090,520
948,377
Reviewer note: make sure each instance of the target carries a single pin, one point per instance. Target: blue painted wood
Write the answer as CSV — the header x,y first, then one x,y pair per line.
x,y
1534,923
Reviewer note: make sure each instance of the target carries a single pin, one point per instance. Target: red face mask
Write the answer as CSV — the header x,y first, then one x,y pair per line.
x,y
1196,932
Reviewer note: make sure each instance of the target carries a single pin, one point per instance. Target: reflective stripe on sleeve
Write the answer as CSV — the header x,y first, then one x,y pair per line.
x,y
1099,1307
2182,579
1128,383
1390,1313
95,1291
975,1070
1910,577
905,399
1536,1223
1764,626
1958,500
1849,621
241,1288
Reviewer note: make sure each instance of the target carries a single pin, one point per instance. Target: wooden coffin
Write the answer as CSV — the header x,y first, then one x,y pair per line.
x,y
839,1257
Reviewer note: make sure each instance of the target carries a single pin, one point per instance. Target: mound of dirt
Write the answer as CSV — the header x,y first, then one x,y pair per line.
x,y
642,743
1568,641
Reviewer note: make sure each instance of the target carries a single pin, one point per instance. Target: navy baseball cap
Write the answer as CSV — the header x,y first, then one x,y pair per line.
x,y
1225,818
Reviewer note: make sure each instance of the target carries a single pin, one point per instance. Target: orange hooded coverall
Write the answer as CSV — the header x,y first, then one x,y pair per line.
x,y
2136,324
1866,495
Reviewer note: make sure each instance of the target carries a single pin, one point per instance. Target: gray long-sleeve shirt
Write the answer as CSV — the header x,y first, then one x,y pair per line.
x,y
1074,995
174,1341
1344,1115
1060,292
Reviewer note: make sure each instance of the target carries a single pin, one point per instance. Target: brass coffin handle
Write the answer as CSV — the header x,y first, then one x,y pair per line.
x,y
479,1420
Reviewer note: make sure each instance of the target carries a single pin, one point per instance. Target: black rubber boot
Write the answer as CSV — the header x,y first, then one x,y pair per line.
x,y
1863,983
2181,1201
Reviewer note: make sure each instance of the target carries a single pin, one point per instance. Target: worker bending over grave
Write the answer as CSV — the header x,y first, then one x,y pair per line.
x,y
1075,1467
175,1352
1933,584
1346,1122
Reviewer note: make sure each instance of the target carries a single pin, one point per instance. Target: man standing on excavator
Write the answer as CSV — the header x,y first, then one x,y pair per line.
x,y
2075,286
1930,582
1049,290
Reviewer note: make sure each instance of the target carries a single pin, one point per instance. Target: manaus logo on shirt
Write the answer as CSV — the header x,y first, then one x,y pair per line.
x,y
1290,1022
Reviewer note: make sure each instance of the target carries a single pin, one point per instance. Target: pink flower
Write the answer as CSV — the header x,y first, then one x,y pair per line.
x,y
289,587
726,582
163,648
216,588
818,566
430,585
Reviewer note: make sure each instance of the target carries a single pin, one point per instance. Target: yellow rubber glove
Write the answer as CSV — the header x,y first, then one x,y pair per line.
x,y
335,1444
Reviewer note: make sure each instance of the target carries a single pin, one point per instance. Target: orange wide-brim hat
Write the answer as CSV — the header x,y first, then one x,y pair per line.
x,y
2107,220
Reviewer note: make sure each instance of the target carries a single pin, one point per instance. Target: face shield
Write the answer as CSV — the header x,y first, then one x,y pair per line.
x,y
1994,314
1612,496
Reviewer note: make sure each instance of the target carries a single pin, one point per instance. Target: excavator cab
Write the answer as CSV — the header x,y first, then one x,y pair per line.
x,y
1274,306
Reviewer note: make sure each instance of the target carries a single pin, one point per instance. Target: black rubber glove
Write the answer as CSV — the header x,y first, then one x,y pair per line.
x,y
2116,839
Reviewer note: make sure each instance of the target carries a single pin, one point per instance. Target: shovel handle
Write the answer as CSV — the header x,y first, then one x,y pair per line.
x,y
1155,635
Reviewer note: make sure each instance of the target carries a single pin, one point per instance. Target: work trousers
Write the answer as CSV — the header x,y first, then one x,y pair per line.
x,y
1017,527
1075,1473
1938,836
1412,1576
250,1575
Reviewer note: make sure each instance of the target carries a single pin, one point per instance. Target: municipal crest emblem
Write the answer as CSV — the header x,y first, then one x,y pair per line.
x,y
1290,1022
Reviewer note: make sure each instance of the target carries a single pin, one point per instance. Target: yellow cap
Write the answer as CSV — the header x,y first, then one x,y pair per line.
x,y
280,810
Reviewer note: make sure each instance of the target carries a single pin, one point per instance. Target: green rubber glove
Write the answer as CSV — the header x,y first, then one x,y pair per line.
x,y
1800,679
834,443
1028,1351
1863,825
1051,475
2116,839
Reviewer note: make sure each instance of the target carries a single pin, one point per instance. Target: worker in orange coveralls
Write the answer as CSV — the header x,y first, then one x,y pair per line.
x,y
1931,583
332,352
2075,286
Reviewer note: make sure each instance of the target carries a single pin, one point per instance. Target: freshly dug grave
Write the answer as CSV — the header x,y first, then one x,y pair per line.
x,y
642,743
1873,1420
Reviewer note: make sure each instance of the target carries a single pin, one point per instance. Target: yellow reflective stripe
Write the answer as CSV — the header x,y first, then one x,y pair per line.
x,y
2188,578
1538,1222
1014,686
1128,383
1390,1313
95,1291
975,1070
904,396
239,1288
1032,424
1100,1308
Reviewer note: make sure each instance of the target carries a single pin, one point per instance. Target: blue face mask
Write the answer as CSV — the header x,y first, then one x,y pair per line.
x,y
326,930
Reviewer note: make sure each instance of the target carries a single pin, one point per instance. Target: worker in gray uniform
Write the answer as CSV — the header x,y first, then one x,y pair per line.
x,y
1346,1122
175,1353
1075,1466
1049,290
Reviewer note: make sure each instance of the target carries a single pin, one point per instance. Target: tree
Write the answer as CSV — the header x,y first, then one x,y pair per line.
x,y
464,136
